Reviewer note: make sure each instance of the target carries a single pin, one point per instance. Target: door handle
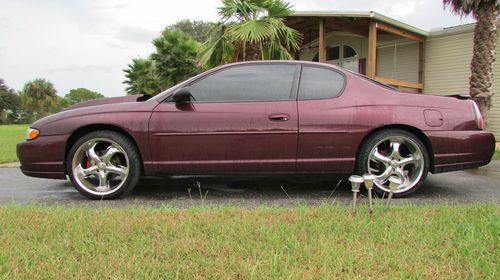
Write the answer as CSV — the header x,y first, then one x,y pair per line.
x,y
279,117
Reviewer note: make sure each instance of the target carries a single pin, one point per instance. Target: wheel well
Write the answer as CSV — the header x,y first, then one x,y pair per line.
x,y
413,130
94,127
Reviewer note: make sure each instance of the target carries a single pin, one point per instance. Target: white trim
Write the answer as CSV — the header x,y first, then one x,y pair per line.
x,y
399,42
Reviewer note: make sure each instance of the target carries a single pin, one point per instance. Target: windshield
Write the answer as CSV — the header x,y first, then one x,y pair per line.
x,y
168,91
165,92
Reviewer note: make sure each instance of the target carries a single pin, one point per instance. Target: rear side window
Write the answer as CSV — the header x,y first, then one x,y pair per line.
x,y
246,83
320,83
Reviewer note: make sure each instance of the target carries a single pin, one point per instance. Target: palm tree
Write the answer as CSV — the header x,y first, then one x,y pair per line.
x,y
483,56
141,77
250,30
39,98
175,57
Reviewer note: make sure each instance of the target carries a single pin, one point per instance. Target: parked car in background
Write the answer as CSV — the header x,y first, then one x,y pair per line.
x,y
265,117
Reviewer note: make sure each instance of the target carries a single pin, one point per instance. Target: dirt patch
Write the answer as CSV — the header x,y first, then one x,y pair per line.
x,y
10,165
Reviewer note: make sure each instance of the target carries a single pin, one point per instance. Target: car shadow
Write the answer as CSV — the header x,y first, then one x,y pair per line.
x,y
289,191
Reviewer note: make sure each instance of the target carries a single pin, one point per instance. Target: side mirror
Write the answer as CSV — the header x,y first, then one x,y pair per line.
x,y
182,95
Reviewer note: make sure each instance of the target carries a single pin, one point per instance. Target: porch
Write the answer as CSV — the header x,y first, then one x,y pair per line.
x,y
382,48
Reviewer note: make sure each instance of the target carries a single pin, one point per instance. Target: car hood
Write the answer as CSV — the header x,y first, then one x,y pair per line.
x,y
104,101
104,106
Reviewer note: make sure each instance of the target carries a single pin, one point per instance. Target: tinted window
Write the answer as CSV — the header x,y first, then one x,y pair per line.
x,y
349,52
320,83
249,82
333,53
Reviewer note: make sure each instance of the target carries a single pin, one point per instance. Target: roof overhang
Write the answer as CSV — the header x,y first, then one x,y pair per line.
x,y
360,15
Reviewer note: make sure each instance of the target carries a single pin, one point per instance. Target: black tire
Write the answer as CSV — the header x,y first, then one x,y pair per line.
x,y
377,139
128,151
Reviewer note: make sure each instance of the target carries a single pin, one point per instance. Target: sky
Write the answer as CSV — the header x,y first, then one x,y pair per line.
x,y
88,43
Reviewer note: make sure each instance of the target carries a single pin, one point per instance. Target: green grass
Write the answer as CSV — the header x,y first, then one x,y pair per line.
x,y
10,135
327,242
496,155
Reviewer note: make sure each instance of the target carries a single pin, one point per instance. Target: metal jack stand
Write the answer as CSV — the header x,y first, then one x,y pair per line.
x,y
356,181
369,178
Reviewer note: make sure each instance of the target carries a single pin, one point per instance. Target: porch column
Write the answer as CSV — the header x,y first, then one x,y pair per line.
x,y
421,63
372,50
322,41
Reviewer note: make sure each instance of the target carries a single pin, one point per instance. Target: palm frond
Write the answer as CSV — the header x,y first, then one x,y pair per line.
x,y
255,29
467,7
276,51
219,49
278,8
238,9
252,31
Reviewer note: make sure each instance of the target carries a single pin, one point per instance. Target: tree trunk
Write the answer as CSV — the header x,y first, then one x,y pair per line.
x,y
252,52
483,58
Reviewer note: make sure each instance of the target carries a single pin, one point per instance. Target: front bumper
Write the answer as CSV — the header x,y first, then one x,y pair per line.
x,y
43,157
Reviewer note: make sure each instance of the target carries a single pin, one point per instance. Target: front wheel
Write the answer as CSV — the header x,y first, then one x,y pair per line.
x,y
394,153
103,165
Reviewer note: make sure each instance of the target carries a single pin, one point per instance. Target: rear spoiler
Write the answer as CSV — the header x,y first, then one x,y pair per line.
x,y
458,96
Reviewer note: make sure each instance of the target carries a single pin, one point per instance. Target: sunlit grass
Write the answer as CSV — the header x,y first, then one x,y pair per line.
x,y
496,155
327,242
10,135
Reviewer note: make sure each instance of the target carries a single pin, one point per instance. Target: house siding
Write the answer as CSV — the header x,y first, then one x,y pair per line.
x,y
447,69
398,60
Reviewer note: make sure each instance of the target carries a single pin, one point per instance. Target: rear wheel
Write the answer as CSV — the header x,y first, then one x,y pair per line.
x,y
394,153
103,165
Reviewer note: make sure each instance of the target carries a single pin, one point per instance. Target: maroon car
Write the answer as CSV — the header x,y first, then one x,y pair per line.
x,y
259,118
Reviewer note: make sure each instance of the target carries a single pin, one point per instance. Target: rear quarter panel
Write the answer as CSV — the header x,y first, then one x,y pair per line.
x,y
332,130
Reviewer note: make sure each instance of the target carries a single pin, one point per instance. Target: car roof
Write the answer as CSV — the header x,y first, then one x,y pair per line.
x,y
160,97
303,62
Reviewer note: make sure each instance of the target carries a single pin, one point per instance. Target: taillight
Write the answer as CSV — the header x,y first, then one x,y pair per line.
x,y
479,117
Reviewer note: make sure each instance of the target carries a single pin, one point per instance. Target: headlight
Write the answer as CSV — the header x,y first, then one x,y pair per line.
x,y
32,133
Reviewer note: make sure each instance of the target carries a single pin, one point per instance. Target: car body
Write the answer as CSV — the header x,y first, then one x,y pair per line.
x,y
269,117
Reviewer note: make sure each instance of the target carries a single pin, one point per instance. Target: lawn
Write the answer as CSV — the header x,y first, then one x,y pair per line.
x,y
496,155
326,242
10,135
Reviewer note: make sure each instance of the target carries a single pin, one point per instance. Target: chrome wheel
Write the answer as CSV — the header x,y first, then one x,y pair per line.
x,y
100,166
397,156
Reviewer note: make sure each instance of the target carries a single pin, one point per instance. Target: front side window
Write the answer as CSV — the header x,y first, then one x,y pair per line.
x,y
246,83
320,83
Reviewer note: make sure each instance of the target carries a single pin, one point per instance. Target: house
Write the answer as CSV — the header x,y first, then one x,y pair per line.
x,y
390,51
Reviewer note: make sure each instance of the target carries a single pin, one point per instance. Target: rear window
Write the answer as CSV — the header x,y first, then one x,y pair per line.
x,y
320,83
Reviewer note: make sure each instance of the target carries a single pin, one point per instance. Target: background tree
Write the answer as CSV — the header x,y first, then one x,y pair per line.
x,y
175,57
198,30
250,30
79,95
141,77
483,54
39,99
10,104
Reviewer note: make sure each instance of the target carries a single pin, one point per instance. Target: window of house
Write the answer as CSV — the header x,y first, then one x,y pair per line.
x,y
349,52
332,53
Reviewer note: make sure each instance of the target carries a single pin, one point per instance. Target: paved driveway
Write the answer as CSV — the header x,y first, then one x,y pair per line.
x,y
481,185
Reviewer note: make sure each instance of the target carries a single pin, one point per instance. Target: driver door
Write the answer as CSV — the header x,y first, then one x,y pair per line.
x,y
243,119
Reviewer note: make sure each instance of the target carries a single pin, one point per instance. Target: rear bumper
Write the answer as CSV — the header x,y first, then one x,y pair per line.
x,y
43,157
459,150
